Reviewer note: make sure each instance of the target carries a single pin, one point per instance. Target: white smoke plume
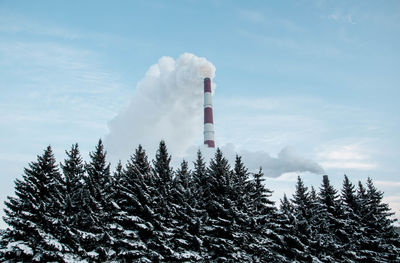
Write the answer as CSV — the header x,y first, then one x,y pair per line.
x,y
167,104
287,160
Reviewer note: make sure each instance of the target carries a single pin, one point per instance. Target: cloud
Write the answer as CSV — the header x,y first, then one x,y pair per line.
x,y
388,184
349,156
166,104
287,161
394,205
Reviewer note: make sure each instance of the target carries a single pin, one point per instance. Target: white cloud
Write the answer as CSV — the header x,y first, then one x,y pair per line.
x,y
349,156
387,183
349,165
287,177
167,104
287,161
394,205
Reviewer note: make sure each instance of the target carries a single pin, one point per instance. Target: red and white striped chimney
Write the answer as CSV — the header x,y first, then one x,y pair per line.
x,y
208,115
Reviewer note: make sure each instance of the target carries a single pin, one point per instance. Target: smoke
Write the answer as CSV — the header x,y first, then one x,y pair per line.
x,y
167,104
287,161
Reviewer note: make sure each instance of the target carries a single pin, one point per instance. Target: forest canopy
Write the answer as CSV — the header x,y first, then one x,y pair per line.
x,y
147,211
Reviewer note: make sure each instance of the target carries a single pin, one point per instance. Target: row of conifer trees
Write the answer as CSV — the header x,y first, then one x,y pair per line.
x,y
148,212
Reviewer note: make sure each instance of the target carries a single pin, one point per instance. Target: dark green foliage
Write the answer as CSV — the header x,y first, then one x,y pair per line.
x,y
96,210
35,214
149,212
134,203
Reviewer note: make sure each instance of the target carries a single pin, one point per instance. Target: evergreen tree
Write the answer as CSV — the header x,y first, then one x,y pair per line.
x,y
162,166
381,238
73,171
96,217
219,226
151,213
240,185
34,216
139,239
291,246
163,174
286,206
267,240
302,203
186,235
200,191
331,222
352,227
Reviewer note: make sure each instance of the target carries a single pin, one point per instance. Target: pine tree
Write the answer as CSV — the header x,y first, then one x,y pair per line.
x,y
163,174
331,221
302,210
267,240
94,228
239,193
286,206
351,214
240,185
200,191
73,171
162,166
381,238
34,216
219,226
291,246
301,202
138,240
186,236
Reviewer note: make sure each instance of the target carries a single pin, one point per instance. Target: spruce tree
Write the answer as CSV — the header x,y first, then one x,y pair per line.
x,y
186,235
302,203
219,226
74,172
94,228
352,227
267,241
34,216
162,166
199,178
291,246
285,205
332,222
139,240
200,191
380,233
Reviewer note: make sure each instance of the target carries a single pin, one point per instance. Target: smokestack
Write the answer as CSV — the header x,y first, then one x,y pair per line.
x,y
208,115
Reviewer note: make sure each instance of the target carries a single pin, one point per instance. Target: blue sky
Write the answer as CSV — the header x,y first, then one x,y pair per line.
x,y
320,77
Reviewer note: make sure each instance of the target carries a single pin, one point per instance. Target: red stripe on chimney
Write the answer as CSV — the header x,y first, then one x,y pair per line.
x,y
207,85
210,144
208,115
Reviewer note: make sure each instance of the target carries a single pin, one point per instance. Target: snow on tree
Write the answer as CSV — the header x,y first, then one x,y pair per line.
x,y
94,228
147,212
34,216
134,200
380,241
73,175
